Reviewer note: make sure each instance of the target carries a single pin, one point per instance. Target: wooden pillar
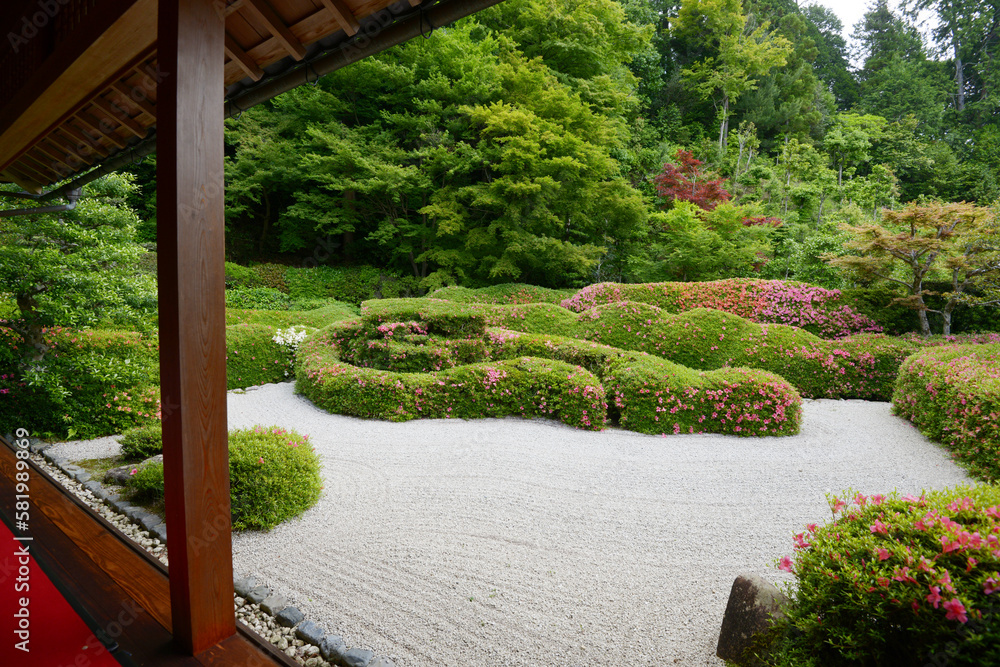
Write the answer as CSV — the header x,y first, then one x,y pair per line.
x,y
190,243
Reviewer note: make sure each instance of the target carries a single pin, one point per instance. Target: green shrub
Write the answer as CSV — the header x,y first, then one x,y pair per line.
x,y
139,443
437,317
253,358
952,394
274,475
534,318
145,485
242,277
862,366
505,294
91,383
271,275
897,581
259,298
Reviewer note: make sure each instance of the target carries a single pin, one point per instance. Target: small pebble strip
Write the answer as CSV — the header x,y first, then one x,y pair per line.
x,y
263,610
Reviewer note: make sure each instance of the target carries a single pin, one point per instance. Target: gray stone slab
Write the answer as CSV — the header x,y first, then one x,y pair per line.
x,y
81,476
357,657
244,585
382,662
159,531
332,648
289,617
309,632
273,603
37,446
257,595
150,520
93,486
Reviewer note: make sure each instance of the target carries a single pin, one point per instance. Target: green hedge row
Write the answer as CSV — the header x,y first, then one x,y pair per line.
x,y
862,366
526,387
648,394
368,367
253,358
505,294
952,394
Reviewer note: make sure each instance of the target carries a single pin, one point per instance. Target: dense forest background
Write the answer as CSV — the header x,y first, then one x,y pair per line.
x,y
564,142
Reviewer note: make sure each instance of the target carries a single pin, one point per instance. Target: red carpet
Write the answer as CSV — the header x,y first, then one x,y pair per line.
x,y
57,636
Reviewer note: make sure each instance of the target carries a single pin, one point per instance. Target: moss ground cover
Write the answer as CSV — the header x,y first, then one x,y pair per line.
x,y
952,394
862,366
506,294
809,307
897,581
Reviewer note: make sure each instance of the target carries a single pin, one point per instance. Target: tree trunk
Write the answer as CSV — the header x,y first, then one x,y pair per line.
x,y
959,74
925,325
724,125
32,331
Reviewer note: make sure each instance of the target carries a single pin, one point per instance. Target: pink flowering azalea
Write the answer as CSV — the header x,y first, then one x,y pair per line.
x,y
260,460
956,611
134,471
883,554
992,584
879,527
878,499
785,564
935,597
837,505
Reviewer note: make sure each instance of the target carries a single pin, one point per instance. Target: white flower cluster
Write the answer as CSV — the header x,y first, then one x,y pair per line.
x,y
290,337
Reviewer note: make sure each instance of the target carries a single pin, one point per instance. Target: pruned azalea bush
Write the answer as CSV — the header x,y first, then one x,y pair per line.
x,y
896,581
415,358
863,366
138,444
952,394
505,294
274,475
815,309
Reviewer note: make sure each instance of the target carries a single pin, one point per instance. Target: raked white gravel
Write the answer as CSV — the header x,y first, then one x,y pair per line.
x,y
526,542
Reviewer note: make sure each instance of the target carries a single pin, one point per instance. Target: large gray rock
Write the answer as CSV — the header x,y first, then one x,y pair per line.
x,y
159,531
382,662
753,604
119,475
356,657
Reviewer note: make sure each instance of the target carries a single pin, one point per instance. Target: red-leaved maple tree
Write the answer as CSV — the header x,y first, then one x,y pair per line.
x,y
686,181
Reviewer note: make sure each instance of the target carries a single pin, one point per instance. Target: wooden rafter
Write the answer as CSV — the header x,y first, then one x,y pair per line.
x,y
64,160
345,17
134,97
119,116
31,172
240,57
71,149
25,180
40,166
93,125
264,13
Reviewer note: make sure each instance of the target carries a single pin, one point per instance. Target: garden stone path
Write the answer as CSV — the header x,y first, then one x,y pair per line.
x,y
527,542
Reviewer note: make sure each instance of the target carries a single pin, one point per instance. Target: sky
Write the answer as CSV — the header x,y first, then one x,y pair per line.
x,y
851,11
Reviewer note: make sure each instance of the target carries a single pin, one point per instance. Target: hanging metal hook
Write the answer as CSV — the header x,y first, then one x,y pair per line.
x,y
240,114
310,68
423,17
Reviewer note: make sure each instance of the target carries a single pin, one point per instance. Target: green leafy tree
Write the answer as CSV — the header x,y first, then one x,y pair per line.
x,y
74,268
737,53
832,62
959,242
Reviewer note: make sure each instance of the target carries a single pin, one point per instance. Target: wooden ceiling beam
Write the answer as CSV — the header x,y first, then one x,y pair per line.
x,y
85,156
345,17
119,116
32,173
265,14
134,97
27,183
41,166
233,8
93,125
240,57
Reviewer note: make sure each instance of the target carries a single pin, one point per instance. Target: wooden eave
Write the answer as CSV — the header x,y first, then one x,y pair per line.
x,y
92,94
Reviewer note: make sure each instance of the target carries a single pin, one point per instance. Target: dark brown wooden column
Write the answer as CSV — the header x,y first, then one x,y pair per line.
x,y
190,240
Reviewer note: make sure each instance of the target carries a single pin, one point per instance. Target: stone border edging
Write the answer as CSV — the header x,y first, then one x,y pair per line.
x,y
253,598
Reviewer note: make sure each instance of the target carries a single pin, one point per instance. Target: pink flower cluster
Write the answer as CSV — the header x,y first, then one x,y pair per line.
x,y
772,301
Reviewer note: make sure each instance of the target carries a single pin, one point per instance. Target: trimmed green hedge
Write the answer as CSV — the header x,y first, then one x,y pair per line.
x,y
316,317
896,581
952,394
360,368
818,310
652,395
260,298
139,443
862,367
253,358
526,387
352,284
505,294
